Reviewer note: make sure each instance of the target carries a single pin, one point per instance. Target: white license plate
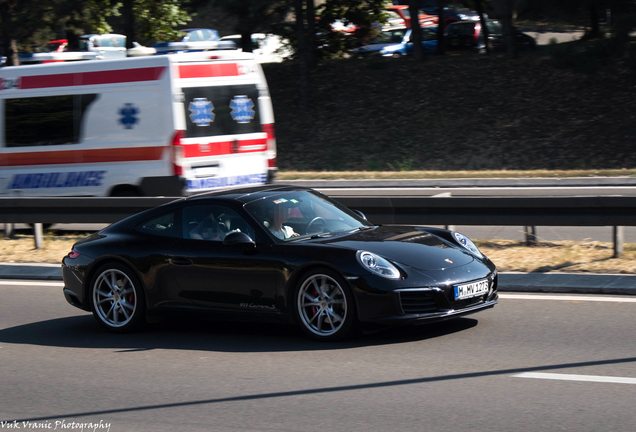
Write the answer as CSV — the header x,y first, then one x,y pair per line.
x,y
471,290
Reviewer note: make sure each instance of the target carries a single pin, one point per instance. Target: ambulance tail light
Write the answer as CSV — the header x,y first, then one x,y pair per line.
x,y
177,153
271,144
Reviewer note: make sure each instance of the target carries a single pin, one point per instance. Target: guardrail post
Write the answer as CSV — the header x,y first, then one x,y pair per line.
x,y
531,235
38,234
9,230
619,238
450,227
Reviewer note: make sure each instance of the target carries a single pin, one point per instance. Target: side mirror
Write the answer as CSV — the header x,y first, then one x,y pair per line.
x,y
239,239
359,213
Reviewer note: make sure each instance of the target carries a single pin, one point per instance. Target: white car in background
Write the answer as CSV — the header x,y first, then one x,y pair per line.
x,y
267,48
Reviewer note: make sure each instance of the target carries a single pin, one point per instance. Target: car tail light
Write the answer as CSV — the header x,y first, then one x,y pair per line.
x,y
271,144
73,254
177,153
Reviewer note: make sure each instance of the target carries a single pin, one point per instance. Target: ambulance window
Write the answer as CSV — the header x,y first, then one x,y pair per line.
x,y
221,110
42,121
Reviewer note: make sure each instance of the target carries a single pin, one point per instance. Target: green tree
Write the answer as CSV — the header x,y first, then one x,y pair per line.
x,y
254,16
157,20
365,16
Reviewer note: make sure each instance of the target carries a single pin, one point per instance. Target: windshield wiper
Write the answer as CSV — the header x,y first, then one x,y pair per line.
x,y
363,228
322,235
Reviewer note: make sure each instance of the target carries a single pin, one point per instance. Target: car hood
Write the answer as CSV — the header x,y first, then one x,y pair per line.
x,y
371,47
411,246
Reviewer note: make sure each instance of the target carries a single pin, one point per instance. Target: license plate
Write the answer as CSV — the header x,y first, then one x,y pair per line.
x,y
473,289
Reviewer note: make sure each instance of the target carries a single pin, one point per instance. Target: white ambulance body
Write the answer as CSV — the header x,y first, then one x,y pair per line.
x,y
163,125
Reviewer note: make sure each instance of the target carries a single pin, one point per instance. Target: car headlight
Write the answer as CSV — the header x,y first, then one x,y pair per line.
x,y
378,265
467,243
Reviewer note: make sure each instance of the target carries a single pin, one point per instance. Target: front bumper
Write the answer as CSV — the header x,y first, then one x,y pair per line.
x,y
418,305
73,275
438,315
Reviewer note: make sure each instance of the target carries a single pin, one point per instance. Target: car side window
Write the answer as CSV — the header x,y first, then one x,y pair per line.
x,y
163,225
212,223
428,34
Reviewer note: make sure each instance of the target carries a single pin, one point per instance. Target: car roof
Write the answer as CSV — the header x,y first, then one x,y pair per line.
x,y
247,194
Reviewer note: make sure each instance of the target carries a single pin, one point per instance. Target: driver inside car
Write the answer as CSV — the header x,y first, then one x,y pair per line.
x,y
278,215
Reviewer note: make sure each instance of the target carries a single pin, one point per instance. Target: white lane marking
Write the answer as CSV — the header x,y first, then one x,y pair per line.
x,y
32,283
571,377
599,298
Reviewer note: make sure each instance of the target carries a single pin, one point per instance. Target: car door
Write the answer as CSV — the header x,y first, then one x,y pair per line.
x,y
216,275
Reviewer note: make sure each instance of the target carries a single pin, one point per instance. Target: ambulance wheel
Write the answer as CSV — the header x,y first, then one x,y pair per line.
x,y
125,192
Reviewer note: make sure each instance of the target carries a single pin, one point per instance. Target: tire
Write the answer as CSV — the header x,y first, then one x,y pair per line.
x,y
117,299
324,305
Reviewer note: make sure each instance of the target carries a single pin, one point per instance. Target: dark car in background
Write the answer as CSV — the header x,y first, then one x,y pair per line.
x,y
468,35
453,11
277,253
396,43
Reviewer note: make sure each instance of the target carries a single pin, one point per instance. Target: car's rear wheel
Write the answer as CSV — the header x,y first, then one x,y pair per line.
x,y
324,305
117,299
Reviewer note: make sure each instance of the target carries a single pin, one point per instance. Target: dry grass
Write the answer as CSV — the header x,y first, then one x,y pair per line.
x,y
562,256
508,255
397,175
21,249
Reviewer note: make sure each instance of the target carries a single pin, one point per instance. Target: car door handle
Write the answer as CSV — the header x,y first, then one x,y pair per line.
x,y
180,261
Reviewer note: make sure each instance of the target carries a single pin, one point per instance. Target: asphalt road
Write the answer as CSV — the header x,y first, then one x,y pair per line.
x,y
533,363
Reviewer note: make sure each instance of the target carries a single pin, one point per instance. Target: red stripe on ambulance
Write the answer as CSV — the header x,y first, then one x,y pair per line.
x,y
91,78
224,148
208,70
134,154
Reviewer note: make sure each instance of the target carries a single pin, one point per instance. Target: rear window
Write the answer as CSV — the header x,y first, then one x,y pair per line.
x,y
221,110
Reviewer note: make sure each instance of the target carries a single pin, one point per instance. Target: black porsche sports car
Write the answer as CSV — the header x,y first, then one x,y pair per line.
x,y
275,252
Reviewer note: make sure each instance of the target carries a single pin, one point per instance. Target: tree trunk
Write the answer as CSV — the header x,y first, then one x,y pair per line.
x,y
416,31
595,31
479,7
128,16
441,28
246,41
311,33
303,79
508,30
72,39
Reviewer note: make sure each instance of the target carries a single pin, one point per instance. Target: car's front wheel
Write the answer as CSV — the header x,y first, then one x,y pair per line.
x,y
117,299
324,305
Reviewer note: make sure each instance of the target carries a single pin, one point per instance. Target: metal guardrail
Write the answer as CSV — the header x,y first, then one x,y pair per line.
x,y
611,211
532,211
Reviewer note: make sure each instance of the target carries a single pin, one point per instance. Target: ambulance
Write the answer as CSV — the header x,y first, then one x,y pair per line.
x,y
160,125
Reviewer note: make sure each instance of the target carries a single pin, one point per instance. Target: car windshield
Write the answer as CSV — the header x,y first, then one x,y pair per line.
x,y
298,215
389,36
494,27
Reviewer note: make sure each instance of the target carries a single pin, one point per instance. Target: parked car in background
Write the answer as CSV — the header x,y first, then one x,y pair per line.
x,y
400,15
197,39
468,35
387,37
91,46
54,46
397,43
405,48
267,48
106,46
453,11
200,35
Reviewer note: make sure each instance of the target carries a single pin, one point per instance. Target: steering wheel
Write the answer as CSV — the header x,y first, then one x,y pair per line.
x,y
313,221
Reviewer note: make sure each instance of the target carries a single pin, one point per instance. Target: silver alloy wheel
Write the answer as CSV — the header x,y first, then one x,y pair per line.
x,y
322,305
114,298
